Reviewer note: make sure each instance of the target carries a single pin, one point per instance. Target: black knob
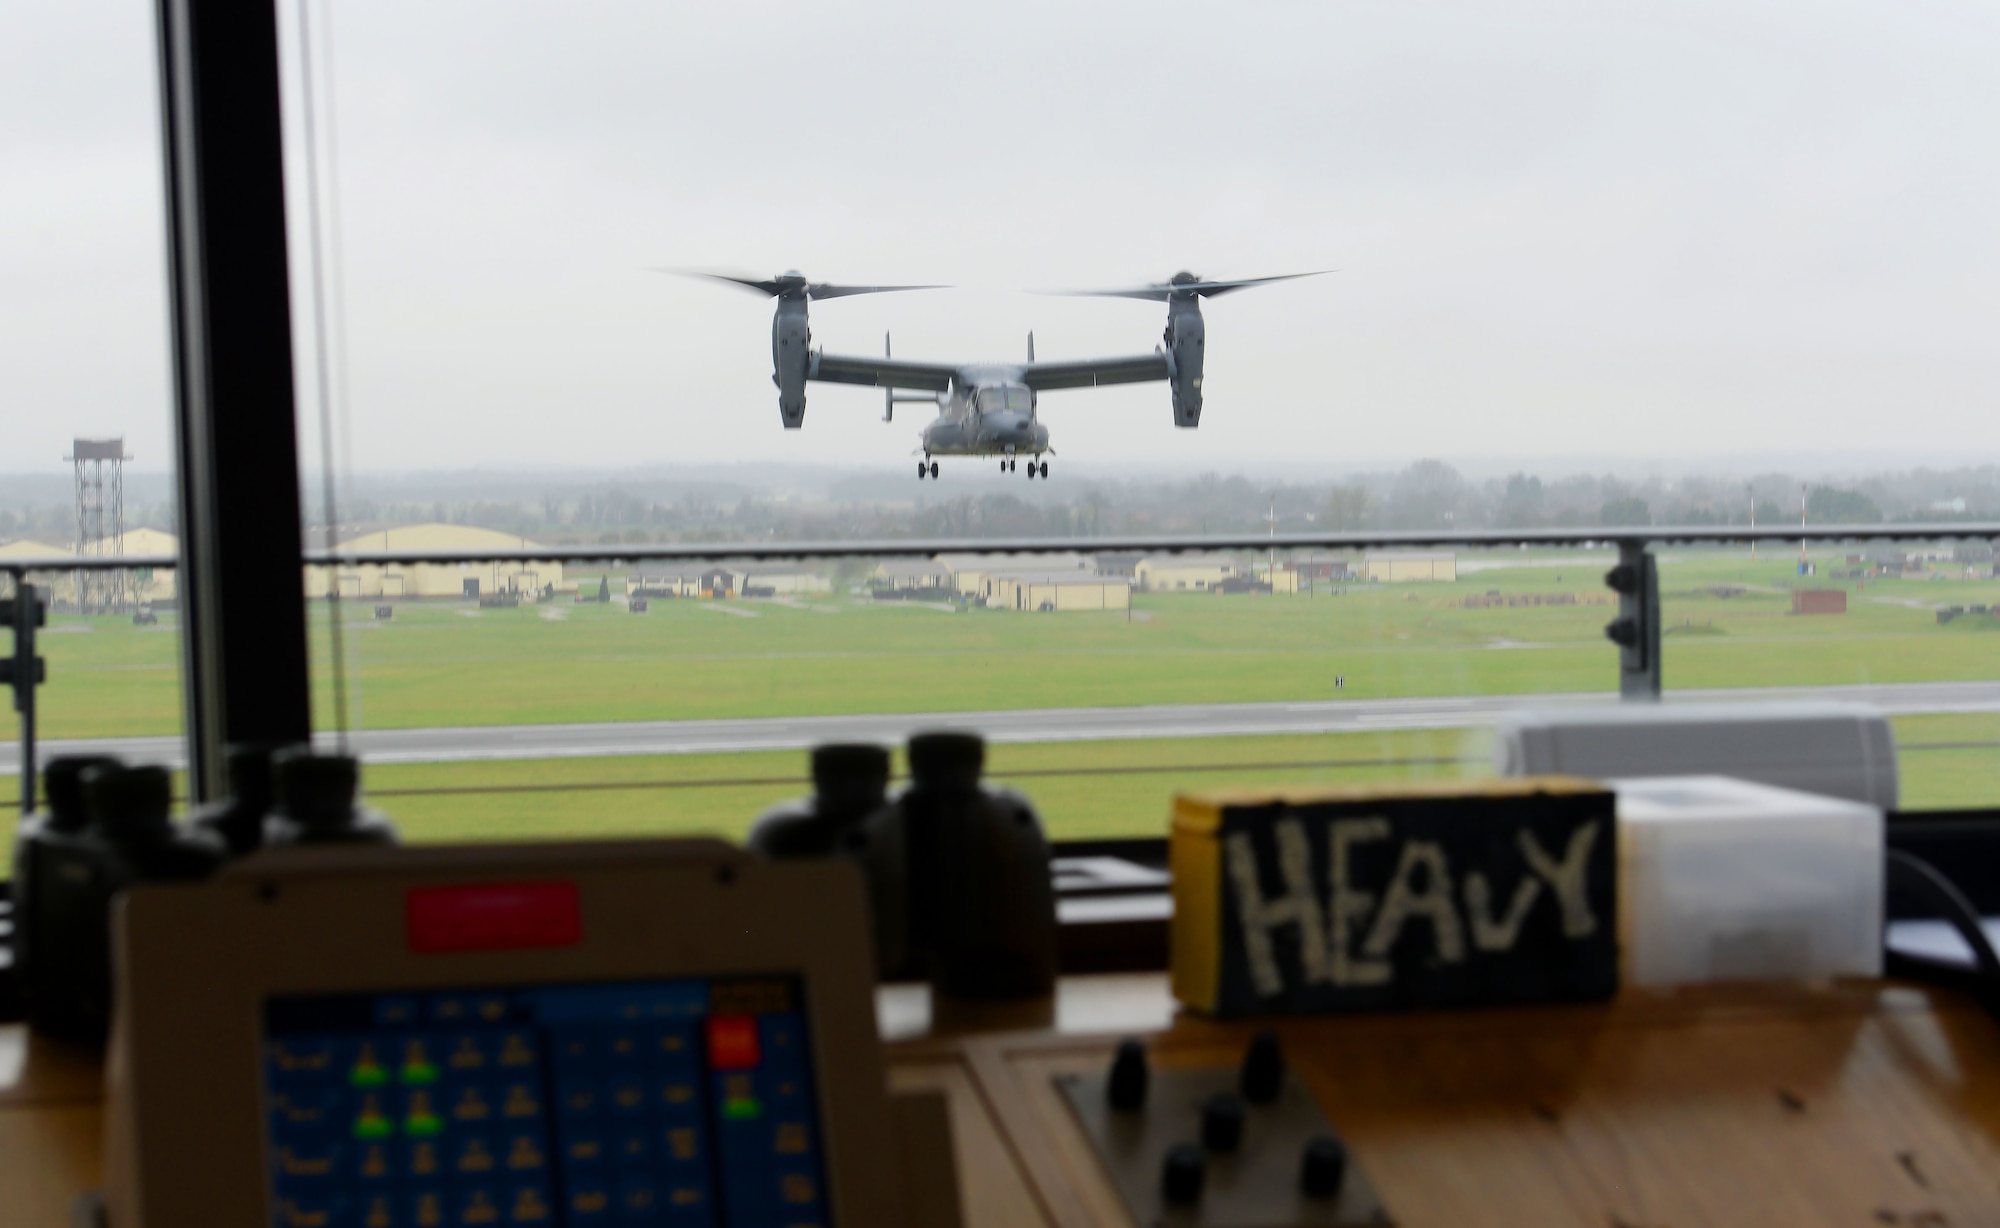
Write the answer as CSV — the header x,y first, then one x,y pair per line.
x,y
1129,1077
1623,578
1322,1167
1222,1124
1624,632
1182,1174
1263,1069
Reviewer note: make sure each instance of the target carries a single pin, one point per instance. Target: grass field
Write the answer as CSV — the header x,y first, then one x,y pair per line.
x,y
448,664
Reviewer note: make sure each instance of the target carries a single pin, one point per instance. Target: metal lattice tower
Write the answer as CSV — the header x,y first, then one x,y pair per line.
x,y
100,521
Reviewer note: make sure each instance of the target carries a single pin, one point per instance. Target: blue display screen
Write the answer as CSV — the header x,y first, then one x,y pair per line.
x,y
675,1104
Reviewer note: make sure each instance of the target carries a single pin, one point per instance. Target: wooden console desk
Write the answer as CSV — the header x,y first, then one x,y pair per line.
x,y
1862,1104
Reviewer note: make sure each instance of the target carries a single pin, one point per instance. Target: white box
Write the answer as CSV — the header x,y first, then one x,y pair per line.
x,y
1822,746
1727,880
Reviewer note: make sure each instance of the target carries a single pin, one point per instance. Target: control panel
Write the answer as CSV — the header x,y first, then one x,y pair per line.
x,y
685,1102
1243,1147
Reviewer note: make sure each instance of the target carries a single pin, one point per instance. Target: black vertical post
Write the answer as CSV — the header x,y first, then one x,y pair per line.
x,y
1636,630
242,586
26,610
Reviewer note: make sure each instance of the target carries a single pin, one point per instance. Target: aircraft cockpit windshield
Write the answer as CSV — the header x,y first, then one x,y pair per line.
x,y
992,400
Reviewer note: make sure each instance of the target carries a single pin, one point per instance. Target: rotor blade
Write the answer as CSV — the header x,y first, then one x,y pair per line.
x,y
1209,289
1163,291
765,287
820,290
1155,294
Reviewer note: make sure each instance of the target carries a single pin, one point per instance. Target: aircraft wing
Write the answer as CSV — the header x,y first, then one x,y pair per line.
x,y
1092,372
880,372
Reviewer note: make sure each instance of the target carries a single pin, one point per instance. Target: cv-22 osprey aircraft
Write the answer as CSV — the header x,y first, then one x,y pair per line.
x,y
986,409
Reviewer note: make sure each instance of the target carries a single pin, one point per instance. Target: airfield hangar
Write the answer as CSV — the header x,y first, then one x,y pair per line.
x,y
144,585
392,581
1404,566
1058,591
1177,572
977,575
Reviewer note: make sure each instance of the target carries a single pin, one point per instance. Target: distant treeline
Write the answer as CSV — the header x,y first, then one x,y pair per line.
x,y
1426,495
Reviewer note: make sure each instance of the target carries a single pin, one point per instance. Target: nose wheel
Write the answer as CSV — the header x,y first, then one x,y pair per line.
x,y
1032,466
926,468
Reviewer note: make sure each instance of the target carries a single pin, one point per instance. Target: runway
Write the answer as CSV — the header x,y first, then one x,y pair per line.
x,y
469,744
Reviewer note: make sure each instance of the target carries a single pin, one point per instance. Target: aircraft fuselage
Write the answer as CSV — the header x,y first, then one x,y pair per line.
x,y
987,412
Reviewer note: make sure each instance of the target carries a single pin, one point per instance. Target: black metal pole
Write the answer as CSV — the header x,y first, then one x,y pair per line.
x,y
242,588
24,671
1636,630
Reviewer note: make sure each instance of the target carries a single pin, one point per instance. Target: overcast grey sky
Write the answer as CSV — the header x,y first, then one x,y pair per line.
x,y
1563,228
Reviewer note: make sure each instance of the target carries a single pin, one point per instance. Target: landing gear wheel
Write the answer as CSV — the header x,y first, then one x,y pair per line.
x,y
1003,466
1031,471
921,470
933,468
1045,468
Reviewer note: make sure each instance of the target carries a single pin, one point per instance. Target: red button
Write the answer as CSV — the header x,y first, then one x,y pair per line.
x,y
492,917
732,1042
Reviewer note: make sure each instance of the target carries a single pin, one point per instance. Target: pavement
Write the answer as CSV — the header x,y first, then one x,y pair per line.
x,y
468,744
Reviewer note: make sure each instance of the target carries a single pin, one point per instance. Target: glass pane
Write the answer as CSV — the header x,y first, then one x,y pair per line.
x,y
84,372
1527,331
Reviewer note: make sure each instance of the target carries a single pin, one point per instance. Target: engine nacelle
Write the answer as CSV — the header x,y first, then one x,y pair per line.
x,y
791,354
1186,342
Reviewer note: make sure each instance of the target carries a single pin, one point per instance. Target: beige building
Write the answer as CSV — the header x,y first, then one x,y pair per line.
x,y
663,583
976,575
1174,572
777,582
144,585
392,581
1060,590
1403,566
1283,579
151,584
973,574
911,573
61,584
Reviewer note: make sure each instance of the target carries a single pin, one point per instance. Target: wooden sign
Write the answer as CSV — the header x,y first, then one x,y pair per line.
x,y
1414,895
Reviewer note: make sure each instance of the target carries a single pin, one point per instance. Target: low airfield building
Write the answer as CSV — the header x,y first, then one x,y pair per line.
x,y
1321,566
777,581
1058,591
143,585
391,581
61,584
911,573
1406,566
1161,573
1282,579
658,581
975,574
